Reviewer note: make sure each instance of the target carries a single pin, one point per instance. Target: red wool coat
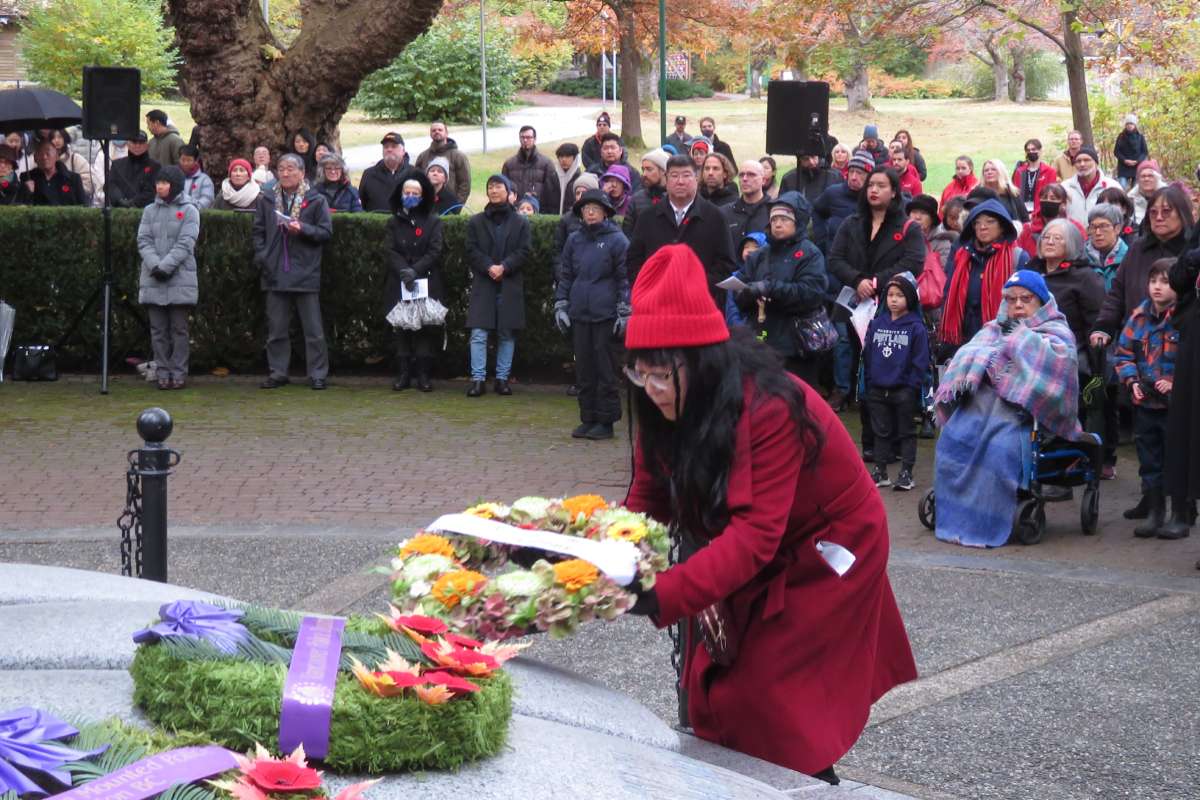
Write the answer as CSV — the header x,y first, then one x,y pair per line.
x,y
816,650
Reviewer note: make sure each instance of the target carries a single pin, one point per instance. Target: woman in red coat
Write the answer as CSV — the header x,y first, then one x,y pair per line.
x,y
757,475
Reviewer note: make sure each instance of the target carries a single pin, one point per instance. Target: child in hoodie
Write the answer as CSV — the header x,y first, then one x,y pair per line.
x,y
896,361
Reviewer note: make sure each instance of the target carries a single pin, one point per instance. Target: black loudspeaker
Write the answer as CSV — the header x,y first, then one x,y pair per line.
x,y
112,102
797,117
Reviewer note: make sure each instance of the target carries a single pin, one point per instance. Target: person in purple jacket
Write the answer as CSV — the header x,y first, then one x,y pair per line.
x,y
896,361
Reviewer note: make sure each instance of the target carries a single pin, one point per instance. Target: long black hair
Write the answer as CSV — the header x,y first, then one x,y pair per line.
x,y
691,457
896,204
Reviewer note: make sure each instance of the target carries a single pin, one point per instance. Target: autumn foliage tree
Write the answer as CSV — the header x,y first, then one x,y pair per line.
x,y
247,87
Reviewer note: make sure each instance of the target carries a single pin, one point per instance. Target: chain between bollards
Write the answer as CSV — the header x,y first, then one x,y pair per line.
x,y
143,524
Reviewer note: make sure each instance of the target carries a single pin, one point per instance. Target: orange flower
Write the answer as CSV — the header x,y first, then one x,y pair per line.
x,y
586,504
575,574
434,695
452,587
427,543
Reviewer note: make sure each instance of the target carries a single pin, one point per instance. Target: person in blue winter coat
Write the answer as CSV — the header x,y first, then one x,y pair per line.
x,y
750,244
896,363
592,301
788,277
840,201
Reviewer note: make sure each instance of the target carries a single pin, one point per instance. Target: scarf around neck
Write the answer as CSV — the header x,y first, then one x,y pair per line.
x,y
996,270
241,198
297,199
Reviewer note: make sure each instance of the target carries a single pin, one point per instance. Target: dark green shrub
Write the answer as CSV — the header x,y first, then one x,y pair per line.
x,y
590,87
437,77
52,263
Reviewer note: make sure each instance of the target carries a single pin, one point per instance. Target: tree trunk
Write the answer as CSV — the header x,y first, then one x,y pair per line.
x,y
858,87
1018,91
631,67
999,72
1081,114
756,71
245,90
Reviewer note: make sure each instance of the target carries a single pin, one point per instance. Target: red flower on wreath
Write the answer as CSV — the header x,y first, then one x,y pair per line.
x,y
899,237
283,776
178,215
418,231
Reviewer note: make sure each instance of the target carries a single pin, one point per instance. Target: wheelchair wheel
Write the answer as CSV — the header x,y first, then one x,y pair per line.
x,y
927,510
1031,521
1089,510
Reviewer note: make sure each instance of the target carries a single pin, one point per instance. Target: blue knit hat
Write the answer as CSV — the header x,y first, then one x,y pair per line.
x,y
501,179
1033,281
871,132
533,201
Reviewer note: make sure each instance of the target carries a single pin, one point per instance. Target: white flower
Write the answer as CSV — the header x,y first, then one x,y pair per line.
x,y
425,566
520,583
534,507
419,589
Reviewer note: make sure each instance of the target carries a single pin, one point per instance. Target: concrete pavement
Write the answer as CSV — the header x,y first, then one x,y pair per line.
x,y
1062,670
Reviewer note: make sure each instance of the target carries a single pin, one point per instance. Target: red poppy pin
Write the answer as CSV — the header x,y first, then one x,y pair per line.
x,y
303,204
178,215
1128,230
798,254
418,231
655,200
3,184
66,189
899,237
146,170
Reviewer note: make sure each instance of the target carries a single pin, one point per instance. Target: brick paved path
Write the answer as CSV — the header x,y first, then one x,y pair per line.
x,y
361,456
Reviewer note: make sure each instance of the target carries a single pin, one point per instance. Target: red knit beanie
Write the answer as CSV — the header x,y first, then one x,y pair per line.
x,y
671,303
241,162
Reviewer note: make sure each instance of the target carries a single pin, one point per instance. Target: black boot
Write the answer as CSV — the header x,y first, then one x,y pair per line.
x,y
403,374
424,368
476,389
1140,511
1156,514
1180,525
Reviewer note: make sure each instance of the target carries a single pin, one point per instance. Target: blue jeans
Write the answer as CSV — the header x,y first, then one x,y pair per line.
x,y
505,347
843,358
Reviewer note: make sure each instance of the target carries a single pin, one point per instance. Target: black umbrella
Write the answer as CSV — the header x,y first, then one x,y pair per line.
x,y
28,109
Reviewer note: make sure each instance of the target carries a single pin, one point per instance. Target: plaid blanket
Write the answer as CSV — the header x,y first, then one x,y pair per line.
x,y
1034,367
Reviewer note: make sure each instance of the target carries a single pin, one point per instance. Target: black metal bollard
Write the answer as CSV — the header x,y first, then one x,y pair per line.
x,y
154,463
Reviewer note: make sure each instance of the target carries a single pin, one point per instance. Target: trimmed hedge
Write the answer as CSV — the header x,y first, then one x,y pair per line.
x,y
52,259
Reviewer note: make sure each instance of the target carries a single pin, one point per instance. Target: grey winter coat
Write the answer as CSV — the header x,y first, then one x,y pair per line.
x,y
498,235
167,243
291,262
199,190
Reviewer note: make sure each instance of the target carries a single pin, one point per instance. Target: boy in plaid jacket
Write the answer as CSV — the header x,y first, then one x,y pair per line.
x,y
1145,362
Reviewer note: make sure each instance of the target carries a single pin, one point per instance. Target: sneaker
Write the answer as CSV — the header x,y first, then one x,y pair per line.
x,y
880,477
1108,473
904,482
581,432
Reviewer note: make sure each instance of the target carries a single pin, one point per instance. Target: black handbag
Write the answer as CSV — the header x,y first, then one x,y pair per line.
x,y
814,332
34,362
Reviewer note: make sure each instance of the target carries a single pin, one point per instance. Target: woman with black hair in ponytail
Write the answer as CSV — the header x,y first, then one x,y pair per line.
x,y
783,537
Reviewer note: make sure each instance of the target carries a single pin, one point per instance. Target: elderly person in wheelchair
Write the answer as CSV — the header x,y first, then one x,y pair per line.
x,y
1018,374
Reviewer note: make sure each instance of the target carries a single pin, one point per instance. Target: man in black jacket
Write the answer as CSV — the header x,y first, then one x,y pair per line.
x,y
533,173
809,178
51,183
131,179
379,182
708,129
612,152
749,212
654,188
685,218
498,243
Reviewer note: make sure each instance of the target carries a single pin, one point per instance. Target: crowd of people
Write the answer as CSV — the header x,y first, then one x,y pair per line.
x,y
859,219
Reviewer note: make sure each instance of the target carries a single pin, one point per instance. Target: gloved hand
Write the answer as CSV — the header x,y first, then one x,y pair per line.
x,y
409,278
623,312
562,320
759,289
647,600
1007,326
160,274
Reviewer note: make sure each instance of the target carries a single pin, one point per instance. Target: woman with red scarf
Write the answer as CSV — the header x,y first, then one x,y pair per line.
x,y
987,255
964,179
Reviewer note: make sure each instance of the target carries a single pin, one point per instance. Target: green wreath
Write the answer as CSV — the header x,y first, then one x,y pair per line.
x,y
189,685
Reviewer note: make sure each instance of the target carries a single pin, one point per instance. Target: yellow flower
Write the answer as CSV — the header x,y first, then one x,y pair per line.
x,y
485,510
586,504
453,586
627,531
575,574
427,544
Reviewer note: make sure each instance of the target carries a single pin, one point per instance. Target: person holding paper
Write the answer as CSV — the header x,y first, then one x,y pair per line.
x,y
783,536
414,256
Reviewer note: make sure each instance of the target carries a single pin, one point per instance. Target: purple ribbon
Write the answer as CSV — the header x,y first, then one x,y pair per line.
x,y
155,774
216,625
26,743
308,690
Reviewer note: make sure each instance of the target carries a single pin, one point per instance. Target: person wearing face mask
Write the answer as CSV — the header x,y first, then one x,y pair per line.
x,y
168,286
1032,176
415,244
1053,205
592,304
